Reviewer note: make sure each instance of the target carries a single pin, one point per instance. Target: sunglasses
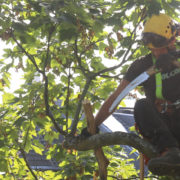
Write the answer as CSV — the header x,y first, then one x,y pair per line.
x,y
155,39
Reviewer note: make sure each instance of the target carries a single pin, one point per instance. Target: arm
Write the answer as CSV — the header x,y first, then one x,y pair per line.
x,y
104,110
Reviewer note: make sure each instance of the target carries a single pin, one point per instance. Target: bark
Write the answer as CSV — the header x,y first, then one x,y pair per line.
x,y
99,154
109,139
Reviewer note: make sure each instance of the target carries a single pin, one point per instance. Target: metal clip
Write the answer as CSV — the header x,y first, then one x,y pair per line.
x,y
164,107
177,104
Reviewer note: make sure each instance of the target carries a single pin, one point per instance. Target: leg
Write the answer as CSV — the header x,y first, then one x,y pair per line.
x,y
155,127
175,125
152,125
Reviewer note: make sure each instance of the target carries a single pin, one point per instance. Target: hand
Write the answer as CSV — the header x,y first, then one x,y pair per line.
x,y
165,62
85,133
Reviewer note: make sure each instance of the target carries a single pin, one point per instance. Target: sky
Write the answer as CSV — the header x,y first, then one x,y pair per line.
x,y
16,79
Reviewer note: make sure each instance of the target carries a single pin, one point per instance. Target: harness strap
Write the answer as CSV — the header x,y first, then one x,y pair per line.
x,y
158,79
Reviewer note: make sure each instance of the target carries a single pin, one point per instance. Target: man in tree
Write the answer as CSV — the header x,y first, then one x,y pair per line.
x,y
158,115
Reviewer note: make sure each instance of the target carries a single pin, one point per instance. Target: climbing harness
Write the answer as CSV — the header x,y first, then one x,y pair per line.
x,y
162,104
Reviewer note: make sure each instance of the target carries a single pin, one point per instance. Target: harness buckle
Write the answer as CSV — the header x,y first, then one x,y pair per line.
x,y
170,106
177,104
164,107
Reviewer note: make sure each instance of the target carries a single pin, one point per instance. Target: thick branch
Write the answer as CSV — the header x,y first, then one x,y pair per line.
x,y
108,139
99,154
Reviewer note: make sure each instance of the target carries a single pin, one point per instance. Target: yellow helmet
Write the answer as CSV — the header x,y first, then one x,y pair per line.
x,y
162,26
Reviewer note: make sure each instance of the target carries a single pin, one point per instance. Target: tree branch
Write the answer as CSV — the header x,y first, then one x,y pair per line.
x,y
27,54
108,139
27,164
133,178
125,55
78,109
67,97
48,111
91,44
79,58
48,46
46,94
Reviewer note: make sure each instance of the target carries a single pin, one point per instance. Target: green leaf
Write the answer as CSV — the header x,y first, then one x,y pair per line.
x,y
67,34
37,149
73,37
19,27
120,53
2,143
7,98
3,165
19,121
3,114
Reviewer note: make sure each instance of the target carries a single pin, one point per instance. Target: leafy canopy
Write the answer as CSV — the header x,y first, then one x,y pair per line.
x,y
76,49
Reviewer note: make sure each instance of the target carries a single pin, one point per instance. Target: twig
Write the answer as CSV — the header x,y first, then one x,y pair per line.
x,y
92,43
46,91
27,54
133,178
10,167
46,96
67,99
125,55
79,58
115,77
48,112
76,117
27,164
48,46
24,154
27,135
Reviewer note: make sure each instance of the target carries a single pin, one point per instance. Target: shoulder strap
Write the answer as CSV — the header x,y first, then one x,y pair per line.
x,y
158,79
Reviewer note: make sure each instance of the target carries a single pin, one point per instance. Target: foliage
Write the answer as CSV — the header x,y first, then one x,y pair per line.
x,y
120,166
71,47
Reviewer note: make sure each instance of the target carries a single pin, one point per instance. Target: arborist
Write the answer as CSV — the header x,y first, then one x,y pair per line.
x,y
158,115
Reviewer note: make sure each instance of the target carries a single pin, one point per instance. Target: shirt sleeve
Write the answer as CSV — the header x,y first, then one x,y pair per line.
x,y
136,68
